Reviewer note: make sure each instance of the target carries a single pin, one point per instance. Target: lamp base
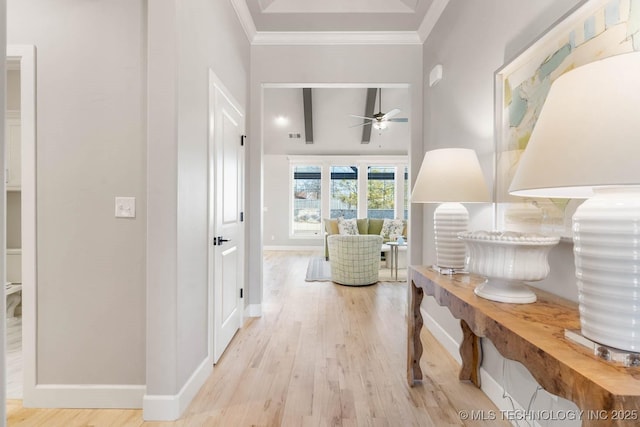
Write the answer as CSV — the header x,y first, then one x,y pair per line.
x,y
606,242
501,290
449,219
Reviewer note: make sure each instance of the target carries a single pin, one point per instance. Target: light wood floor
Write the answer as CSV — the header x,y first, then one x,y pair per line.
x,y
321,355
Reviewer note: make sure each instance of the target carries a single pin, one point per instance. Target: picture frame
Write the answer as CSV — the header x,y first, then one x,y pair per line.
x,y
593,30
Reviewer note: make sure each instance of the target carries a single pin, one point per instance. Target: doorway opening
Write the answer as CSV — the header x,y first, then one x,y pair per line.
x,y
21,221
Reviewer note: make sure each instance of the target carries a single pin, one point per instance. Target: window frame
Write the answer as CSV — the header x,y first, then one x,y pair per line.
x,y
400,162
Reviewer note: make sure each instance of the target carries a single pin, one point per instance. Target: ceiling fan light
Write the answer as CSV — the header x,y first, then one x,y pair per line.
x,y
380,125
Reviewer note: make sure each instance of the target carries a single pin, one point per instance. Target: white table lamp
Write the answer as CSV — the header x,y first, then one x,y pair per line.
x,y
450,176
586,144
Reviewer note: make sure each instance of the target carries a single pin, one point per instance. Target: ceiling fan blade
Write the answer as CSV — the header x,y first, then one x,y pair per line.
x,y
392,113
362,117
360,124
399,120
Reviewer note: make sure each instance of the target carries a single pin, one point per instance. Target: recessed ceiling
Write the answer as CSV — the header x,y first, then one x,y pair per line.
x,y
307,22
338,15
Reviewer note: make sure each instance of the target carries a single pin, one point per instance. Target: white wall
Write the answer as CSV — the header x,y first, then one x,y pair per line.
x,y
472,40
90,148
326,64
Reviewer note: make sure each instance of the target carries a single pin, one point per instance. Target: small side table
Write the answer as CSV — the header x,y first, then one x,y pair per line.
x,y
394,256
13,293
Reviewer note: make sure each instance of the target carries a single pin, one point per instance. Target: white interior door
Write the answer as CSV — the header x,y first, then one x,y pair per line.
x,y
226,232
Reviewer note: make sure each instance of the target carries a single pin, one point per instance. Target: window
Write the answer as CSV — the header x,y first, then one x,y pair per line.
x,y
344,192
381,192
344,186
307,200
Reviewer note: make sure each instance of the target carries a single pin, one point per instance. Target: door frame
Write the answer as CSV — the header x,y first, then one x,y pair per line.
x,y
215,82
26,56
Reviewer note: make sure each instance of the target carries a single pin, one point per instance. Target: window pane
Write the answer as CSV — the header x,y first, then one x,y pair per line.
x,y
381,192
344,191
306,200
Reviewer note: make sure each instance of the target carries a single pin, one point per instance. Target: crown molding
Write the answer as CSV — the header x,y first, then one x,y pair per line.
x,y
431,18
336,38
244,16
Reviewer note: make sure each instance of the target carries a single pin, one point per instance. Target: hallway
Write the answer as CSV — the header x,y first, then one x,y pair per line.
x,y
322,354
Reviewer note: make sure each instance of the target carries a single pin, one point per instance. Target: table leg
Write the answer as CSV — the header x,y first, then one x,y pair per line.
x,y
414,325
394,260
471,354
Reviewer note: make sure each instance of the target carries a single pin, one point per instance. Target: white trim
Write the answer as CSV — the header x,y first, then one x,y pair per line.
x,y
332,160
27,56
291,38
431,18
113,396
244,16
170,407
335,85
293,248
253,310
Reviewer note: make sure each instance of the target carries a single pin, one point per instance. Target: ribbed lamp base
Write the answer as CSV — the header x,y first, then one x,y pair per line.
x,y
449,219
606,235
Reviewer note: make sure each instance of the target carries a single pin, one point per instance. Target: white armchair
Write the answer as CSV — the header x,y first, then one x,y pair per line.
x,y
355,259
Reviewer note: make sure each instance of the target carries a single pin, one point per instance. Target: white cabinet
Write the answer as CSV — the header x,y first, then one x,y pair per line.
x,y
13,151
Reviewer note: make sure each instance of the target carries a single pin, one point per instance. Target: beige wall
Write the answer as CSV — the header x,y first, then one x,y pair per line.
x,y
186,40
90,148
13,90
13,220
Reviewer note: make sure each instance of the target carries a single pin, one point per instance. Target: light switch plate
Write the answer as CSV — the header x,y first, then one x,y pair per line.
x,y
125,207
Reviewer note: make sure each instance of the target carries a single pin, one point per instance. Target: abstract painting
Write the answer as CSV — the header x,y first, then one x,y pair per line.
x,y
594,30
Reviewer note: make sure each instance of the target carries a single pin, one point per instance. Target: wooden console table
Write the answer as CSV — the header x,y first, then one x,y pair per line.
x,y
532,334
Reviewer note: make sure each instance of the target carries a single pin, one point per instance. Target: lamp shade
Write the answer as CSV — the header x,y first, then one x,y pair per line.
x,y
587,134
450,175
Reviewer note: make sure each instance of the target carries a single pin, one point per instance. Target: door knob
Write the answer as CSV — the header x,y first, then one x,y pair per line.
x,y
219,241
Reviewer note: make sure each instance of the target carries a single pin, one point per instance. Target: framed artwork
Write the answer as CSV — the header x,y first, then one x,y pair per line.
x,y
594,30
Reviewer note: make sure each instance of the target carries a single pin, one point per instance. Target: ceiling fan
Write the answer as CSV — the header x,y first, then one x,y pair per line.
x,y
380,119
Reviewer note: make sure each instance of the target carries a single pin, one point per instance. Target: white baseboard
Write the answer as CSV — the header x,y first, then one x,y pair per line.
x,y
294,248
253,310
111,396
489,386
443,337
170,407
